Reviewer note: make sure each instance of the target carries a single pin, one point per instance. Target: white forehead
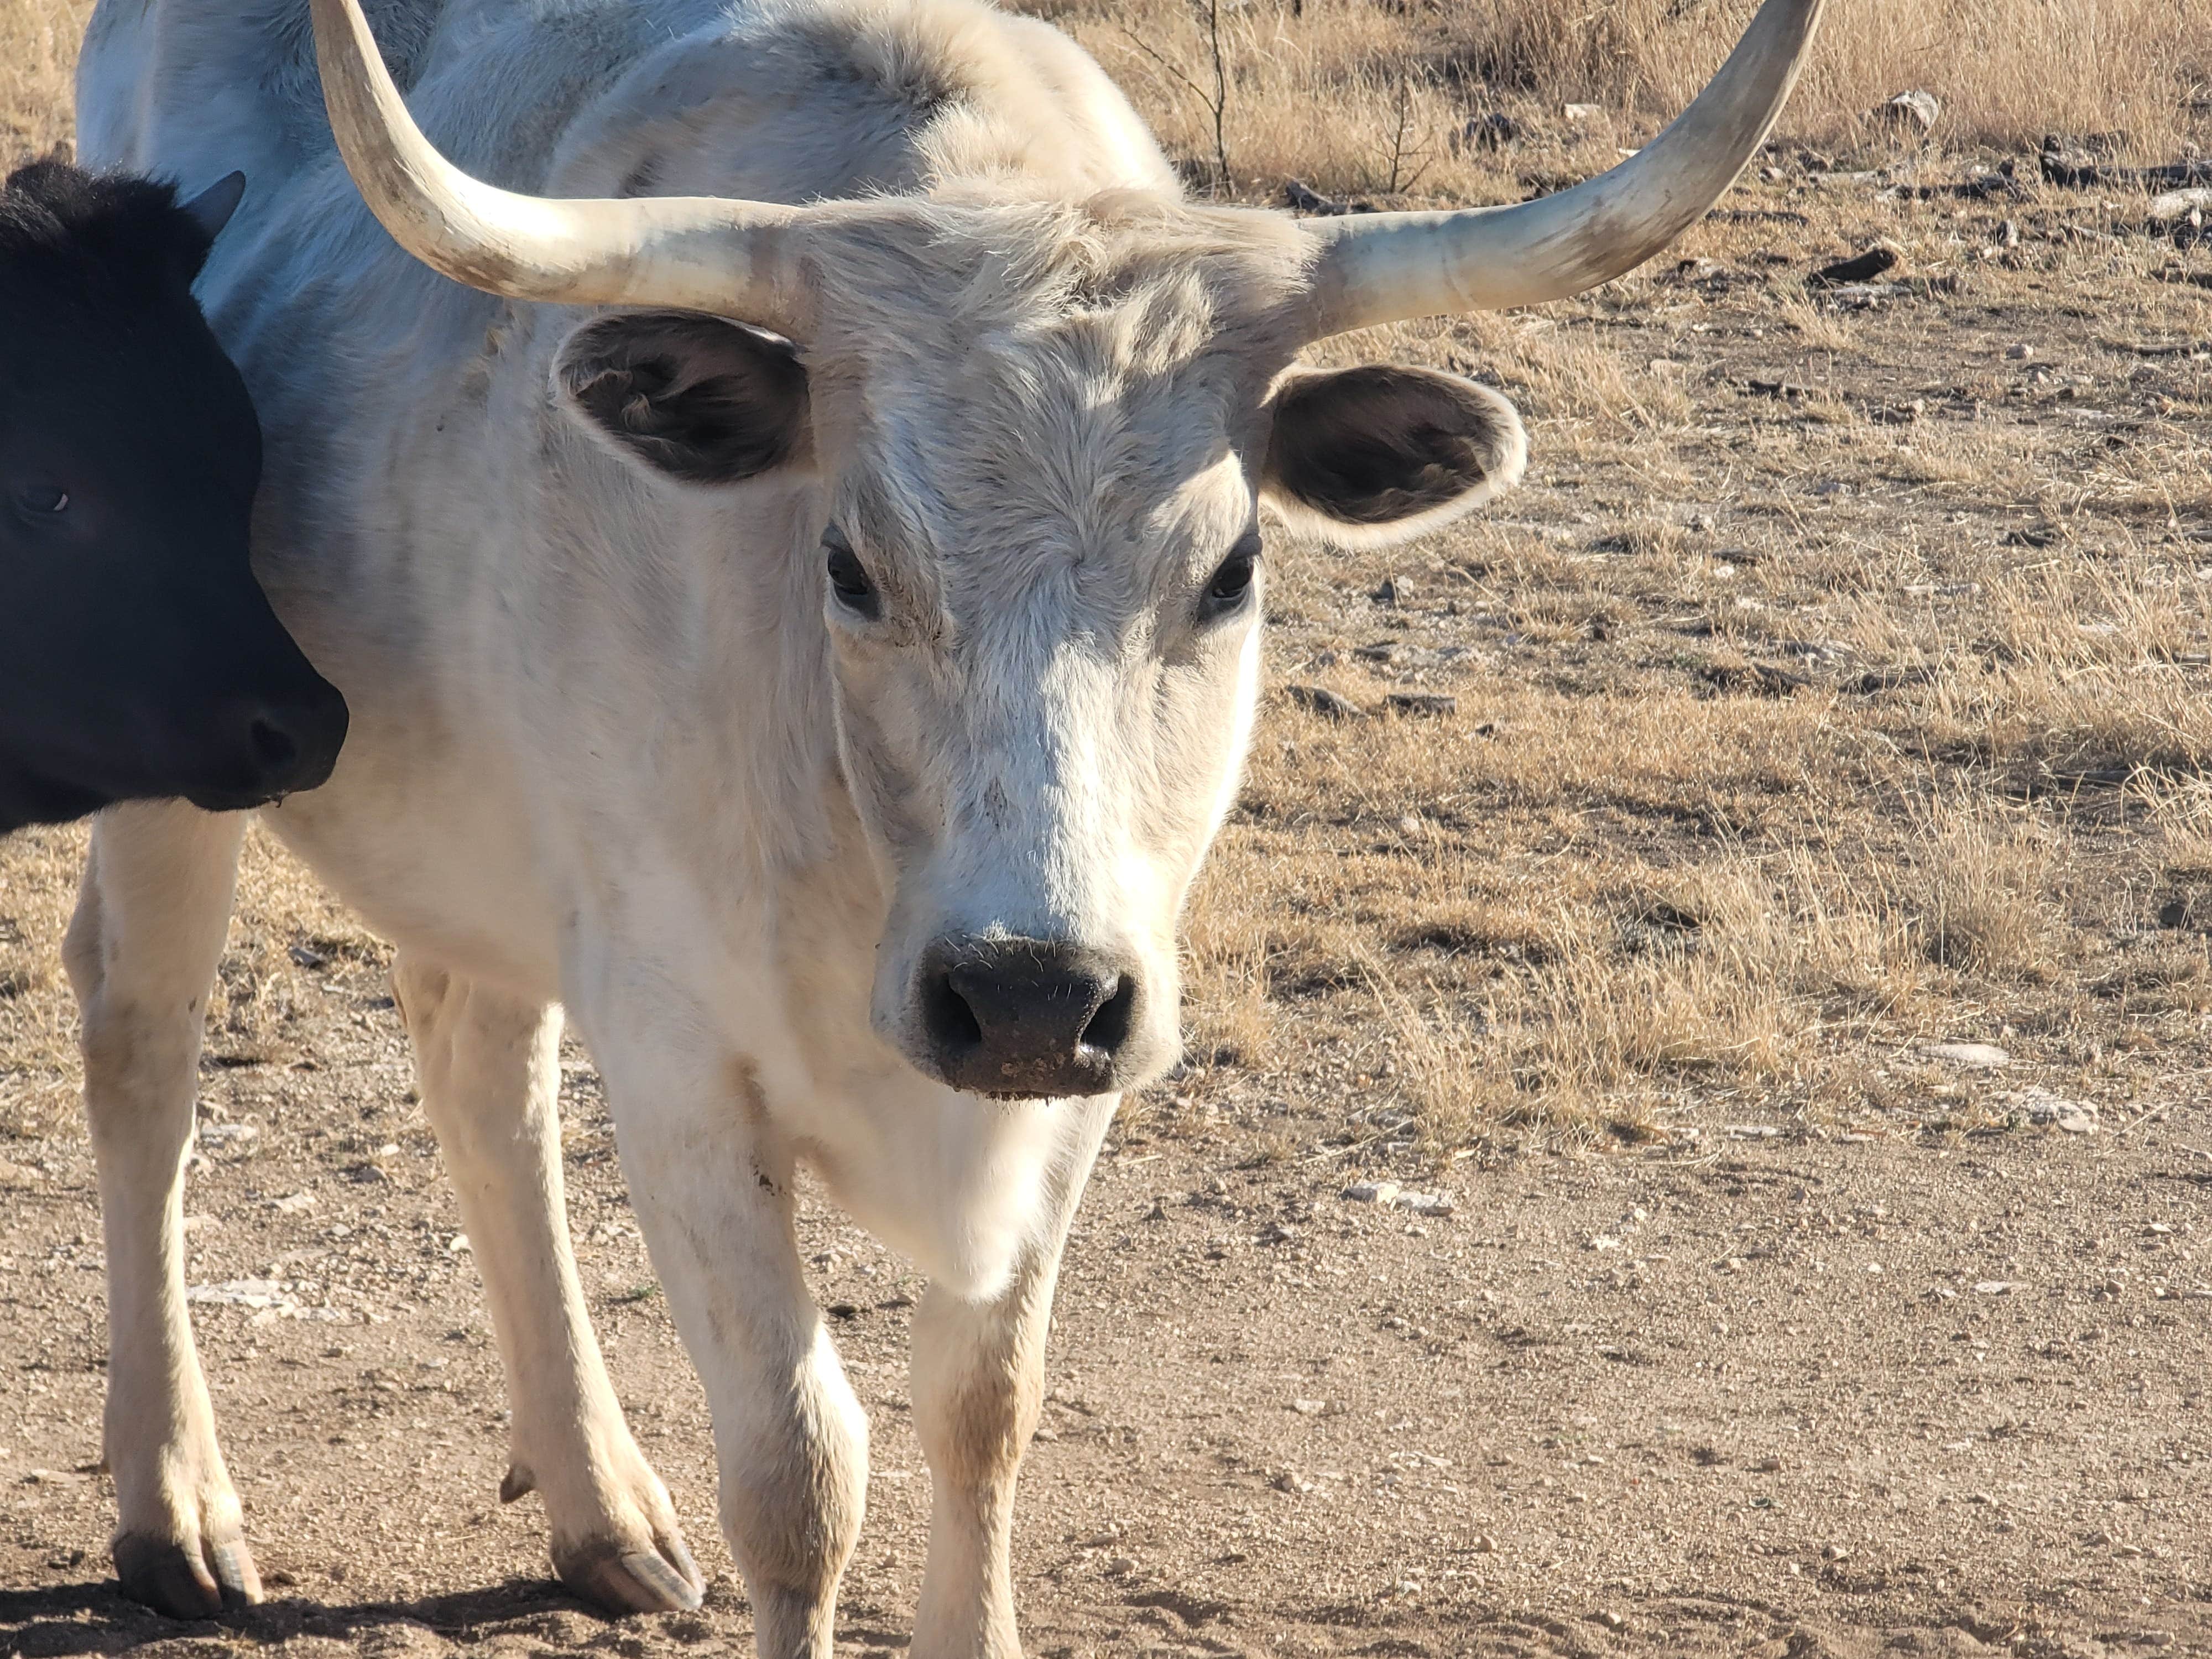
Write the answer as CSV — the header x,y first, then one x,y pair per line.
x,y
1093,406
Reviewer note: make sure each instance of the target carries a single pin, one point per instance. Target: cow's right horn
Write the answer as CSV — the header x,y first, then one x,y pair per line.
x,y
1390,267
733,259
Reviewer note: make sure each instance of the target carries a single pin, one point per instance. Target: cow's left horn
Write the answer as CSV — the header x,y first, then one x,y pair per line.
x,y
1388,267
696,254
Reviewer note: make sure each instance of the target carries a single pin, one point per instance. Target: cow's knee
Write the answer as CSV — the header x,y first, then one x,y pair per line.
x,y
794,1492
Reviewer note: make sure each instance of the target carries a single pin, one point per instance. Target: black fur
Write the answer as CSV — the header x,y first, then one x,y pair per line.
x,y
139,657
110,235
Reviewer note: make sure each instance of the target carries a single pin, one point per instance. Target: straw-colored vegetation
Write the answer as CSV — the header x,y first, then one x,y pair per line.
x,y
1794,725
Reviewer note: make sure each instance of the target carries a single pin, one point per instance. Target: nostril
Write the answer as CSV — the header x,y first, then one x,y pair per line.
x,y
951,1022
276,751
1110,1027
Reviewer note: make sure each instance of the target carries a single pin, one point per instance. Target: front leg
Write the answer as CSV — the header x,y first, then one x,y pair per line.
x,y
142,949
710,1179
978,1374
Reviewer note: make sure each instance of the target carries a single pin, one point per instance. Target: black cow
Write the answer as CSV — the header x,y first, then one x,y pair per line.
x,y
139,657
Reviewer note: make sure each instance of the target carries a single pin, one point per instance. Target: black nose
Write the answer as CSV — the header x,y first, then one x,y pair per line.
x,y
294,741
1026,1019
264,747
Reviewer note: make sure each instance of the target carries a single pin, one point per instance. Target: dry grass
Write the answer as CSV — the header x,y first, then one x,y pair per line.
x,y
38,55
1349,94
1795,727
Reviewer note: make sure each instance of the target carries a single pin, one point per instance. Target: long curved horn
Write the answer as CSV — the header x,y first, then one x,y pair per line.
x,y
1388,267
696,254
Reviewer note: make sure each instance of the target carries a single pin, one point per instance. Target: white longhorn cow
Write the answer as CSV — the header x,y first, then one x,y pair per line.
x,y
801,617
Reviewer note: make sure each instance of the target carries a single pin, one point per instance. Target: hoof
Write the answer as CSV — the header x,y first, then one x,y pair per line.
x,y
163,1574
618,1580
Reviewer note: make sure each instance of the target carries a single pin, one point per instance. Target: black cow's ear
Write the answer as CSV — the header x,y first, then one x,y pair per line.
x,y
1366,456
689,395
211,208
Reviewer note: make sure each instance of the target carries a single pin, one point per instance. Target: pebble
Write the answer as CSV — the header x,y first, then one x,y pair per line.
x,y
1391,1196
2073,1117
1320,700
1432,705
1995,1287
1979,1056
2020,353
1915,112
295,1204
227,1134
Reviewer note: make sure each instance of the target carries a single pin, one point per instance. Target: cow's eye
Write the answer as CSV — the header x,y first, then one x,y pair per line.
x,y
849,580
1230,585
43,500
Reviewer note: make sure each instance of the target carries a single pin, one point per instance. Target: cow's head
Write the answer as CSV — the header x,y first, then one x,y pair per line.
x,y
1042,434
138,658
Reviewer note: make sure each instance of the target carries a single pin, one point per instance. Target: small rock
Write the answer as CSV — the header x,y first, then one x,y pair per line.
x,y
1320,700
1995,1287
1310,1407
1430,704
1767,1465
1911,113
1489,131
1483,1543
2020,351
1581,113
1283,1480
1861,268
1302,198
1836,1552
2074,1117
1121,1566
227,1134
2007,234
1391,1195
1978,1056
1611,1620
295,1204
1395,592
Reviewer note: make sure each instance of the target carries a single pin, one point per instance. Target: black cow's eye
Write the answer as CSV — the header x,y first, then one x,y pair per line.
x,y
1227,589
43,500
849,580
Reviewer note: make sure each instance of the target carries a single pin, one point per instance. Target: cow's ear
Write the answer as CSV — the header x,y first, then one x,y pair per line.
x,y
1366,456
691,396
211,210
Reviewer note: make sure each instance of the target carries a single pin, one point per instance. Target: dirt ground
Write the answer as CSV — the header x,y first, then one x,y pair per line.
x,y
1567,1234
1807,1394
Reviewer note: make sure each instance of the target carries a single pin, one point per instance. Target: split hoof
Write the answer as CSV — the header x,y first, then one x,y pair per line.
x,y
619,1581
187,1584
